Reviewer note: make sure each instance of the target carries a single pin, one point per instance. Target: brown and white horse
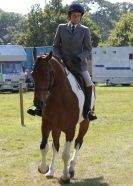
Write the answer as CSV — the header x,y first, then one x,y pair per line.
x,y
61,100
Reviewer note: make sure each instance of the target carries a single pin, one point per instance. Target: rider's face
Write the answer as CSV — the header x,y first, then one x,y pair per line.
x,y
75,17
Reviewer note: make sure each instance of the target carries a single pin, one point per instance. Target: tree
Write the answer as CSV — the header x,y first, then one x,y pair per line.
x,y
53,16
122,35
95,30
42,24
34,35
106,13
8,26
56,5
39,26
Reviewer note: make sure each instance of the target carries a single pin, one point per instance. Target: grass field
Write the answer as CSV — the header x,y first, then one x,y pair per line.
x,y
105,159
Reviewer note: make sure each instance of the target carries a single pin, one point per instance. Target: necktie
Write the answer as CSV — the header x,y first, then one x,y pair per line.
x,y
73,27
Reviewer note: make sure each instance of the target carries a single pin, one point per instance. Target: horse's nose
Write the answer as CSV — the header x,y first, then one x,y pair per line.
x,y
38,103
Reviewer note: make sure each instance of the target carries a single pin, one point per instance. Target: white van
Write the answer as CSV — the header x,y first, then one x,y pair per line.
x,y
11,67
112,65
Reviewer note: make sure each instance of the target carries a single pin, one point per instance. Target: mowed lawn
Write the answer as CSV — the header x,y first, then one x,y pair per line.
x,y
106,157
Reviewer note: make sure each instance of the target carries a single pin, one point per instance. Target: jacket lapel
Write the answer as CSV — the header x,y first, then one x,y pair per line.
x,y
69,28
77,29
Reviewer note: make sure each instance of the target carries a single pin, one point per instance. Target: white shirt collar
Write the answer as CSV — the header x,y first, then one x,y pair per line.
x,y
72,24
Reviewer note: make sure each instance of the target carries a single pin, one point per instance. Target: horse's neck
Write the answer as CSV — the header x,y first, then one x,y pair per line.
x,y
60,74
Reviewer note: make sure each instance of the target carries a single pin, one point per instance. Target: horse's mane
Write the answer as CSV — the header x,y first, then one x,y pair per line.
x,y
53,60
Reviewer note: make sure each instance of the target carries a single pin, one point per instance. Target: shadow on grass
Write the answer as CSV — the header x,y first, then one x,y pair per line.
x,y
115,85
98,181
9,92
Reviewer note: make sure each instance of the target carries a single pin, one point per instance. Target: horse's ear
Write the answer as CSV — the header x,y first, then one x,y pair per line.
x,y
49,56
51,53
34,54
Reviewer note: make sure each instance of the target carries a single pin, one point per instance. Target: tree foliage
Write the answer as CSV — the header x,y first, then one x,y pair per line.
x,y
35,29
38,27
122,35
8,26
106,13
42,24
95,30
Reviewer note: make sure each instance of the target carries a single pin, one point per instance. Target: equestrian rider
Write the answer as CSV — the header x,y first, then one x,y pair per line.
x,y
72,44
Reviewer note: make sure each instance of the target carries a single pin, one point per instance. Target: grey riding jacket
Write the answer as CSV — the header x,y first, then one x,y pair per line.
x,y
75,45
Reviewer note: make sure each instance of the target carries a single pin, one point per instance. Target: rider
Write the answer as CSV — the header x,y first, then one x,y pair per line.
x,y
72,44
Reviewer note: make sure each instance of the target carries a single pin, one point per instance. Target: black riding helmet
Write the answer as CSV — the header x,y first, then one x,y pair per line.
x,y
75,7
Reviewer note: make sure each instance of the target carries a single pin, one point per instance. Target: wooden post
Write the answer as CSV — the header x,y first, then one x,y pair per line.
x,y
21,104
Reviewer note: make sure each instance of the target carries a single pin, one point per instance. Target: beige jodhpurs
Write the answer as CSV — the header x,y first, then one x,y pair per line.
x,y
88,82
87,78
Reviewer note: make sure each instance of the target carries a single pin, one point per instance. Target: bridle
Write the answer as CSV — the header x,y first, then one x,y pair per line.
x,y
51,81
52,85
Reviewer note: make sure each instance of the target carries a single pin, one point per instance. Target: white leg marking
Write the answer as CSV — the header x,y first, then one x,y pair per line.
x,y
50,173
43,167
74,159
65,158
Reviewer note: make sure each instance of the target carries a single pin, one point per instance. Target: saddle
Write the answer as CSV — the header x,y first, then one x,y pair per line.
x,y
79,79
75,69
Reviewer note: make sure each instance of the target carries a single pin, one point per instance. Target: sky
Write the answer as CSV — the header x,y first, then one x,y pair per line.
x,y
24,6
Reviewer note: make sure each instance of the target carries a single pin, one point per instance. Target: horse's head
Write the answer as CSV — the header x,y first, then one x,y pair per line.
x,y
43,77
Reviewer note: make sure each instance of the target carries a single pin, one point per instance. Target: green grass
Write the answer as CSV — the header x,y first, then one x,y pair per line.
x,y
106,157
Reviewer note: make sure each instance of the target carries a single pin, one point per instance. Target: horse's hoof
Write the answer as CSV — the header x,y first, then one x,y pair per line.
x,y
64,181
71,174
42,172
49,176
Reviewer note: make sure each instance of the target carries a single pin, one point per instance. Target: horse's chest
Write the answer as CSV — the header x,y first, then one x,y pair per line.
x,y
78,92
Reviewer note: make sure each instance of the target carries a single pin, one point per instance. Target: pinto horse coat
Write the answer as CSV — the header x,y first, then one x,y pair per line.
x,y
61,103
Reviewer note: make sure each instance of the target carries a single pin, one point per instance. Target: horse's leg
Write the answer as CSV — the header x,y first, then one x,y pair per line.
x,y
55,147
43,167
66,155
78,142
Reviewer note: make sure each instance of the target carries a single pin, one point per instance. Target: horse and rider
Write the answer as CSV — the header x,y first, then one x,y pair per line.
x,y
72,47
58,97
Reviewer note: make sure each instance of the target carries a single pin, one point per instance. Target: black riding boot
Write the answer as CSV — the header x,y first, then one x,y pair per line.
x,y
34,111
87,112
